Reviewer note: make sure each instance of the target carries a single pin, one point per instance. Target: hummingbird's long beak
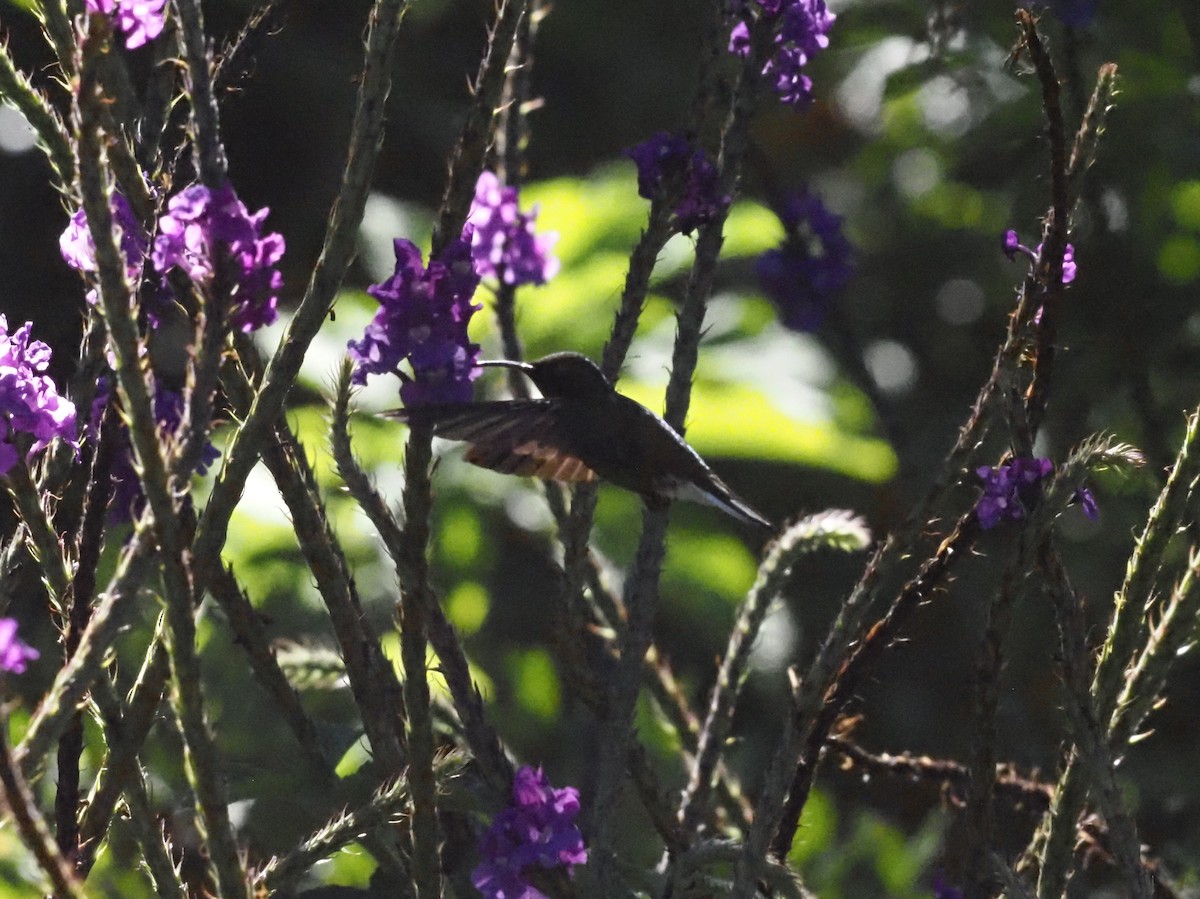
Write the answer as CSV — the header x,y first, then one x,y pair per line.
x,y
505,363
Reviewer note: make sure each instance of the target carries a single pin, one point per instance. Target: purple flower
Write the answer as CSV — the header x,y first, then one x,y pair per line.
x,y
139,20
801,31
422,318
1075,13
1087,502
29,401
1011,490
669,156
1068,263
1012,245
14,652
810,267
537,830
943,890
128,500
79,250
503,243
202,228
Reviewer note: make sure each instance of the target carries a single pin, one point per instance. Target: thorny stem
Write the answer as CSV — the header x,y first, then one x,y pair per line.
x,y
989,663
818,707
83,588
1167,640
640,601
1054,237
52,136
642,591
512,138
1088,727
62,36
212,164
372,679
413,609
1016,791
31,826
1127,631
201,760
384,808
43,542
53,714
255,430
802,537
125,740
471,150
485,745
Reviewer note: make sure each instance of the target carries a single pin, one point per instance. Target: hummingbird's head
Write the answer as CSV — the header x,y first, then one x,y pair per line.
x,y
568,375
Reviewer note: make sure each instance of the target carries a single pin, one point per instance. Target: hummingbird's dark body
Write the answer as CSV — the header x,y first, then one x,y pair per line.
x,y
581,430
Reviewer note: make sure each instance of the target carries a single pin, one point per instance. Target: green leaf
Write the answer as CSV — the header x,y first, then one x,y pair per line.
x,y
467,607
30,6
817,829
1185,204
714,562
535,683
1179,259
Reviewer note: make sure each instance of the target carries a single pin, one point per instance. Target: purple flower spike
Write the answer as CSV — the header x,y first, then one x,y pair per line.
x,y
140,21
29,401
14,653
810,267
666,156
202,226
422,318
503,243
537,830
801,31
1010,491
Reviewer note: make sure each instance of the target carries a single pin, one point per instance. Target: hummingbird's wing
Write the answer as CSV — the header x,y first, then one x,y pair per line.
x,y
521,437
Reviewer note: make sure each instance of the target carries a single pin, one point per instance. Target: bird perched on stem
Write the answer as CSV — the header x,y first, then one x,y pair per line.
x,y
580,430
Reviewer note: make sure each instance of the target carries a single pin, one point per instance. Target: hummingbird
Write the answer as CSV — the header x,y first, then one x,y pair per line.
x,y
580,431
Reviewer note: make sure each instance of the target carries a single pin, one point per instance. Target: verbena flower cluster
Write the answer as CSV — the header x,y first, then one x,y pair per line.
x,y
536,831
801,30
1012,246
810,267
29,401
140,21
1011,490
504,244
205,230
670,156
422,318
79,251
14,652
